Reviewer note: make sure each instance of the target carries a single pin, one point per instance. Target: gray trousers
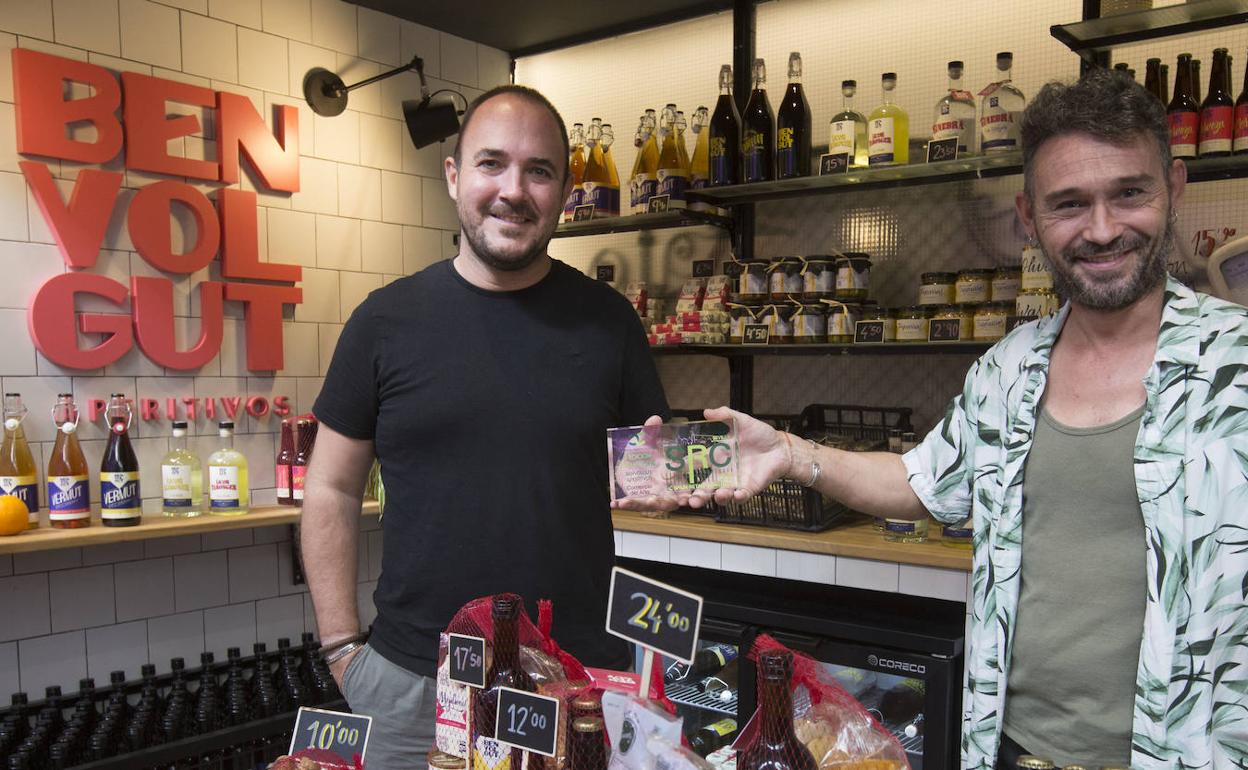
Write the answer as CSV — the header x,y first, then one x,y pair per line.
x,y
402,707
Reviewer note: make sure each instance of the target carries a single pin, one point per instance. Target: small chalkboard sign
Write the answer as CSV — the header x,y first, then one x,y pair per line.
x,y
653,615
605,273
868,332
756,334
658,204
466,656
343,735
942,149
944,330
527,721
834,163
583,213
703,268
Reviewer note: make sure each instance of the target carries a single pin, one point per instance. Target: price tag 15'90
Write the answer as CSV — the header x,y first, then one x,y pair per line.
x,y
656,616
466,657
344,735
527,721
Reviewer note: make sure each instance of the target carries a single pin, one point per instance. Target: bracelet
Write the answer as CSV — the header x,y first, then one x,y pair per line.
x,y
329,649
343,652
815,470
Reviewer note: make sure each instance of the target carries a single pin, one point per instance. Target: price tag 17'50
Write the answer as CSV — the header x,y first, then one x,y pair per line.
x,y
466,659
656,616
344,735
527,721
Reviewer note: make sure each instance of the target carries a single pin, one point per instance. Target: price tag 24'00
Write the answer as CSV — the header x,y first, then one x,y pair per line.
x,y
654,615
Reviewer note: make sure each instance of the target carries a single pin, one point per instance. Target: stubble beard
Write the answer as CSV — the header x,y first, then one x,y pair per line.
x,y
1149,271
505,262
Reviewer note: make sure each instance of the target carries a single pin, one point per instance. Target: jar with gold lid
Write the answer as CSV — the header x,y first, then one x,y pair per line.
x,y
1006,281
779,319
990,321
962,312
810,323
1036,303
871,311
842,316
1035,271
440,760
912,323
1032,762
972,286
739,315
784,279
853,276
819,278
937,288
752,283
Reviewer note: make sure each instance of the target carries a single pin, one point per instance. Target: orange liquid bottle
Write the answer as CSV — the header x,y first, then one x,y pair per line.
x,y
69,502
18,475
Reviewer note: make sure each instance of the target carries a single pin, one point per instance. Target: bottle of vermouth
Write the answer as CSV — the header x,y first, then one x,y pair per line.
x,y
724,134
613,174
793,126
504,671
576,167
596,181
1001,110
18,474
68,480
1152,78
673,176
1217,113
1184,111
121,504
700,164
758,136
777,746
646,169
955,113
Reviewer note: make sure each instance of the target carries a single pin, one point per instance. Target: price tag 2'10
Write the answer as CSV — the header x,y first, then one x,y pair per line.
x,y
466,659
527,721
343,735
654,615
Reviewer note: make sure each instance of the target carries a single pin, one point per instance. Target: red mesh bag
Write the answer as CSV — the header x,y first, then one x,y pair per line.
x,y
473,619
315,759
801,705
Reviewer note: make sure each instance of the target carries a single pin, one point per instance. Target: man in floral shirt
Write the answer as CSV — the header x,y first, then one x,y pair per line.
x,y
1101,455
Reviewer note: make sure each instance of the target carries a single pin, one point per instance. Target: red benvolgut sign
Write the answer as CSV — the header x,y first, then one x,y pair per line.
x,y
43,119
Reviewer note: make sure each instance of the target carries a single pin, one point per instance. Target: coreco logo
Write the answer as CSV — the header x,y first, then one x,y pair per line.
x,y
896,665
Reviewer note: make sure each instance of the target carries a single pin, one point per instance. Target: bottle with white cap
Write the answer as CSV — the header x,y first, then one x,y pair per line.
x,y
181,477
228,493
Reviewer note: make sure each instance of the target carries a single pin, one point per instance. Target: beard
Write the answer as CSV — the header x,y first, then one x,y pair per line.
x,y
1114,292
507,261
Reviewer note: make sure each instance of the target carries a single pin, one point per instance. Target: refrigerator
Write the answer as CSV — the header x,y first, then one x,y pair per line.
x,y
901,656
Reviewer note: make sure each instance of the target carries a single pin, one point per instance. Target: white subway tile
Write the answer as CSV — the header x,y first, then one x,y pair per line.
x,y
355,289
263,497
309,388
114,552
320,289
209,48
328,341
400,198
231,626
397,89
865,573
375,552
8,138
421,248
419,40
46,561
619,543
175,636
932,582
695,553
171,546
302,348
378,36
262,62
200,580
25,606
286,572
150,33
389,278
29,17
352,69
288,18
367,610
186,334
134,363
110,264
144,588
337,138
381,248
195,6
7,44
87,388
13,200
87,24
270,388
17,350
439,209
303,59
292,237
334,26
748,559
10,680
261,452
230,538
279,533
642,546
428,161
493,67
37,225
359,192
26,267
247,13
233,356
216,389
810,567
59,659
381,144
318,183
459,60
280,617
122,647
161,389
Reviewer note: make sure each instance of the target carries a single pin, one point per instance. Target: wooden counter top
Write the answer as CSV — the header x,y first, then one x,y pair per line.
x,y
47,539
856,538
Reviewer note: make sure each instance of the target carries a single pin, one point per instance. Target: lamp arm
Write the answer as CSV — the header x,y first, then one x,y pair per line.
x,y
416,63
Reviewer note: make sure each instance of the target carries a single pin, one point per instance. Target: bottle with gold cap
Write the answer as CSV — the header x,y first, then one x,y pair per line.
x,y
576,167
608,139
646,170
673,176
596,182
1033,762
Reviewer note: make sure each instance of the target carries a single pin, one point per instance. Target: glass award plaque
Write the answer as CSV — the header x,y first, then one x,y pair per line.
x,y
672,459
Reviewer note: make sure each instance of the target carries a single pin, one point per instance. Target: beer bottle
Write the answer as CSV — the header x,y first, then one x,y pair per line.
x,y
303,455
1165,84
724,134
1240,140
504,671
672,177
1196,80
121,505
777,746
646,174
1033,762
710,660
1217,113
1184,111
1152,78
18,475
793,126
758,139
587,744
700,165
608,139
713,737
576,167
285,459
69,502
596,181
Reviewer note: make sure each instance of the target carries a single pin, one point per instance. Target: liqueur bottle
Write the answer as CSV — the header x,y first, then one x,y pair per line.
x,y
955,113
227,476
181,477
1001,110
888,128
848,129
793,126
777,746
1217,113
724,135
19,476
1184,111
758,133
504,671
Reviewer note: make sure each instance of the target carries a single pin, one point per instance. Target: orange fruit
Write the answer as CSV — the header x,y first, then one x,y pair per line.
x,y
13,515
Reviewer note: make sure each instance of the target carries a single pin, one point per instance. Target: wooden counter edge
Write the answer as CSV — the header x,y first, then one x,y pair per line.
x,y
154,526
856,539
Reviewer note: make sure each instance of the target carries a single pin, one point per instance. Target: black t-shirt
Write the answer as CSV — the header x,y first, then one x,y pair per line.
x,y
489,411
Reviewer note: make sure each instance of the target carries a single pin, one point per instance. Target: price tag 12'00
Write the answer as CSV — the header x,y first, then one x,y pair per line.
x,y
344,735
657,616
466,659
527,721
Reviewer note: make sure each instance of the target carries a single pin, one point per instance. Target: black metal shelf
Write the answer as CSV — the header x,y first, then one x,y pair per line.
x,y
829,349
634,222
1213,169
1089,37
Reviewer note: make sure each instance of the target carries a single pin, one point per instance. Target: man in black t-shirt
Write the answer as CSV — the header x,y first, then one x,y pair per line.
x,y
485,386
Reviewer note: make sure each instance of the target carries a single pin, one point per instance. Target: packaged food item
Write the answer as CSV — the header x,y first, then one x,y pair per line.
x,y
1006,282
637,293
785,278
780,320
752,283
669,756
1036,273
853,276
739,316
961,312
718,293
691,295
912,323
314,759
842,318
819,278
972,286
810,324
990,319
1036,303
631,723
886,314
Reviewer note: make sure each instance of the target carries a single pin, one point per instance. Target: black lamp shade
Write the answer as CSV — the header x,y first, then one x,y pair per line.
x,y
429,122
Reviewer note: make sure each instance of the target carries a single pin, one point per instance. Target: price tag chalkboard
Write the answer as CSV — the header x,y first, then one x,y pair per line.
x,y
344,735
658,204
942,149
834,163
654,615
868,332
527,721
605,273
756,334
703,268
583,213
944,330
466,656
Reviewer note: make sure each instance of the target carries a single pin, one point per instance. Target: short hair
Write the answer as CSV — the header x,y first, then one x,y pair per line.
x,y
524,92
1105,104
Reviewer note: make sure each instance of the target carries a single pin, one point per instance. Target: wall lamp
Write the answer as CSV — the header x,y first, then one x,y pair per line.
x,y
428,122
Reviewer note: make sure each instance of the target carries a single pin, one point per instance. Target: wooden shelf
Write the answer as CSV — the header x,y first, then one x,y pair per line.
x,y
857,538
47,539
833,349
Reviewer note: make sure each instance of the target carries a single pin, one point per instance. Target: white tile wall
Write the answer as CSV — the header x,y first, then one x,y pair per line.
x,y
695,553
748,559
25,606
381,248
262,61
378,36
334,25
111,648
230,626
868,574
359,192
10,680
82,598
209,47
288,18
200,580
637,545
933,582
150,33
144,588
28,17
810,567
48,660
245,13
87,24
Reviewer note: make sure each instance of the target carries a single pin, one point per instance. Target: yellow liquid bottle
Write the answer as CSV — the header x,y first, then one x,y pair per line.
x,y
888,129
608,139
228,492
681,148
597,180
647,179
19,476
700,164
576,167
672,176
848,128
